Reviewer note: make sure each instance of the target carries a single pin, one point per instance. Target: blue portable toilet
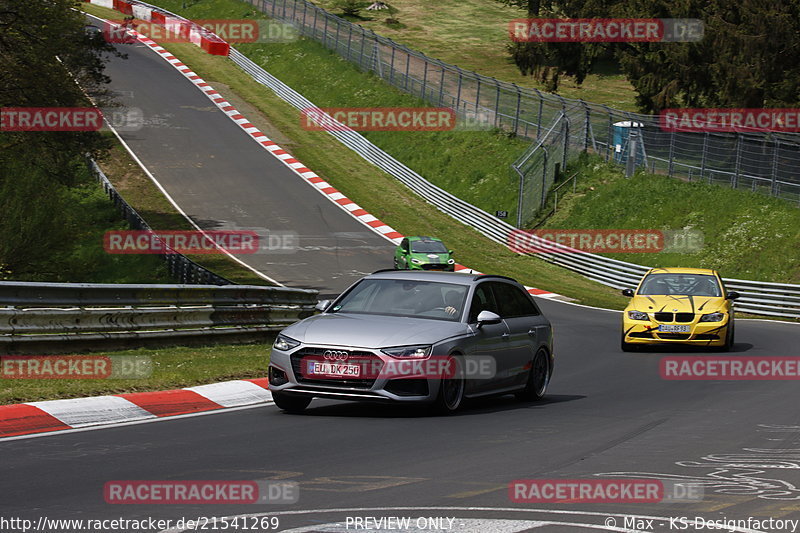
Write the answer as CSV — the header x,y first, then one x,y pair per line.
x,y
621,135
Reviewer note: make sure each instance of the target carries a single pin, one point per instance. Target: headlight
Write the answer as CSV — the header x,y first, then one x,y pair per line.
x,y
285,344
416,261
413,352
637,315
713,317
451,261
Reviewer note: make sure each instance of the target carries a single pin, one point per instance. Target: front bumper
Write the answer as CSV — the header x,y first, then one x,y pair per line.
x,y
286,375
443,267
700,333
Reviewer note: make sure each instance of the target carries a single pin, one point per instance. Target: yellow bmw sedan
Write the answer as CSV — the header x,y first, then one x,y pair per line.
x,y
679,305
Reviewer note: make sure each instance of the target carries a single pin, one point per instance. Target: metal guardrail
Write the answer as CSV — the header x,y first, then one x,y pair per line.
x,y
763,298
45,316
182,269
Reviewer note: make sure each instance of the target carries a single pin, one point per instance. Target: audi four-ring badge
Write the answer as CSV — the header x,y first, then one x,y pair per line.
x,y
416,337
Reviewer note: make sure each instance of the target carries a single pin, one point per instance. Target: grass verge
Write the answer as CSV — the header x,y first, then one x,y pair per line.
x,y
746,235
86,214
143,195
172,368
445,29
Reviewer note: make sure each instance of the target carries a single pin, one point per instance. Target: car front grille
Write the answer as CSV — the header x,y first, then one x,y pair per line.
x,y
674,317
435,266
674,336
367,360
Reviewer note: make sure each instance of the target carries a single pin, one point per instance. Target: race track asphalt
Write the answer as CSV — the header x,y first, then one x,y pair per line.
x,y
225,180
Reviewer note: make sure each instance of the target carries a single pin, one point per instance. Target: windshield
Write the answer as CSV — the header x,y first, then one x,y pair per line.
x,y
681,284
419,299
435,247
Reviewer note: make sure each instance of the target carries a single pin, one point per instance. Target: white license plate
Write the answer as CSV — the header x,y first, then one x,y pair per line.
x,y
669,328
333,369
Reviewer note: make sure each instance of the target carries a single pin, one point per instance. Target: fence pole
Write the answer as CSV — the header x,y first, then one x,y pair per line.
x,y
735,183
774,187
363,42
378,63
519,200
477,95
519,103
671,153
703,156
391,68
539,119
349,40
425,80
408,66
458,91
566,144
441,85
586,126
498,121
544,177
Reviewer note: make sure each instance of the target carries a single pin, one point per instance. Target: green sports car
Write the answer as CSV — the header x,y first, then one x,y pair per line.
x,y
423,253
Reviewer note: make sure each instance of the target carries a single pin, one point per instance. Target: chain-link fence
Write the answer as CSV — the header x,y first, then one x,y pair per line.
x,y
763,162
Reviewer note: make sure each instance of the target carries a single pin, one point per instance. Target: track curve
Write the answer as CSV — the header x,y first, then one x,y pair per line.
x,y
223,179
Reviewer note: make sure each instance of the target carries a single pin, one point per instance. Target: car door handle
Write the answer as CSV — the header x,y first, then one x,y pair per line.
x,y
532,332
505,336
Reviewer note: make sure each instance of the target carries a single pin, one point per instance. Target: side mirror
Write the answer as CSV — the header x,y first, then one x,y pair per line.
x,y
322,305
732,295
627,292
450,252
487,317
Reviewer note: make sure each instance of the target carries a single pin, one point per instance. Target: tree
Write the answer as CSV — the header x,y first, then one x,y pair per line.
x,y
548,61
47,58
749,56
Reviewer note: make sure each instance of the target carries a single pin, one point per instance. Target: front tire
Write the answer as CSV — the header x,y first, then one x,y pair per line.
x,y
291,403
538,378
451,391
729,338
